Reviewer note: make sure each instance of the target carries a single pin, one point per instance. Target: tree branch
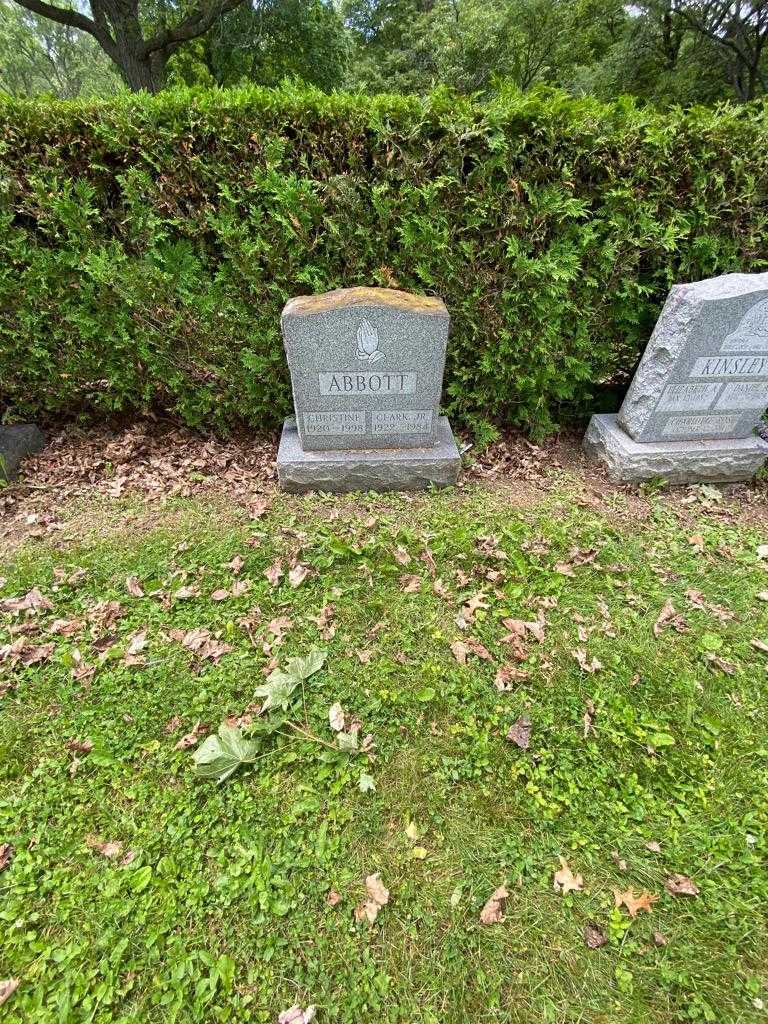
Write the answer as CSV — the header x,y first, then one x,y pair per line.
x,y
195,24
62,15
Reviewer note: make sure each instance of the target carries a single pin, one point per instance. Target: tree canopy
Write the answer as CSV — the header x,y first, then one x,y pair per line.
x,y
659,51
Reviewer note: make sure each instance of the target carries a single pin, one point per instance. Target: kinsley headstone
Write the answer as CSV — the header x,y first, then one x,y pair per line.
x,y
697,399
367,373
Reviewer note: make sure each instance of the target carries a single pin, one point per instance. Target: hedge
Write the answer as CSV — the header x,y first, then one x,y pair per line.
x,y
148,244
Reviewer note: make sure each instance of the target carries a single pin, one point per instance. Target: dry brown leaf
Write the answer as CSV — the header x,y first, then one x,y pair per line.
x,y
589,718
79,746
298,574
401,556
493,911
760,645
33,601
565,881
653,846
279,627
66,627
187,592
364,657
668,616
564,568
220,595
336,717
6,855
378,897
520,732
507,676
594,937
410,584
659,939
236,564
697,600
681,885
274,572
133,586
586,664
7,987
333,898
191,738
441,590
478,649
460,651
634,902
109,850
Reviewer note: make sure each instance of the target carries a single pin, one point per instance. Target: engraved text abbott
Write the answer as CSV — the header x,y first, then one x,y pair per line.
x,y
343,382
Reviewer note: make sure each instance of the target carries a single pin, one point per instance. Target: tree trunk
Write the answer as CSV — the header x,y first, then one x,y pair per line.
x,y
140,73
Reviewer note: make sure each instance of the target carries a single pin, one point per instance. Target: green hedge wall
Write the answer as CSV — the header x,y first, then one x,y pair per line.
x,y
147,244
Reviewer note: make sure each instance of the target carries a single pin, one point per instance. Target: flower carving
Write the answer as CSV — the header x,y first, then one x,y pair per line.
x,y
368,343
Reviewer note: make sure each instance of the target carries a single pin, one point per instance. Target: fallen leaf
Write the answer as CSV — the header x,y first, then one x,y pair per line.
x,y
364,657
79,746
617,860
279,627
220,595
478,649
585,663
236,564
109,850
378,897
32,601
7,987
191,738
507,675
565,881
460,651
681,885
564,568
659,939
634,902
336,717
295,1015
493,911
441,590
697,600
589,718
668,616
298,574
401,556
6,855
333,898
594,937
520,732
653,846
133,586
187,592
410,584
274,572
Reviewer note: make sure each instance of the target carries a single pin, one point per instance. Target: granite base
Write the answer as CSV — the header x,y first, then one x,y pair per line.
x,y
679,462
393,469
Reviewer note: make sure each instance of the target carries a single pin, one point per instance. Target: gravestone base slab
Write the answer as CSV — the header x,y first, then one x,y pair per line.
x,y
679,462
393,469
16,443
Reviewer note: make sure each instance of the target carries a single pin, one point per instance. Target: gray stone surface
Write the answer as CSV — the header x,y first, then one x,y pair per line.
x,y
366,368
16,442
704,374
679,462
401,469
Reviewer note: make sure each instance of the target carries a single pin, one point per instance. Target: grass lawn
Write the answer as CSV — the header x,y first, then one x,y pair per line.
x,y
135,891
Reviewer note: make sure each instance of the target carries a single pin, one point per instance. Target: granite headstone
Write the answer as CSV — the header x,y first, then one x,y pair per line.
x,y
366,370
698,396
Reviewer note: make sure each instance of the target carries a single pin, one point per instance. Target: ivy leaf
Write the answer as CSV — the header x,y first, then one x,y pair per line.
x,y
303,668
277,690
367,783
281,683
222,754
347,742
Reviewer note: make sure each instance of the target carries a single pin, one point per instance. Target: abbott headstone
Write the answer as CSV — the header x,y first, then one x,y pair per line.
x,y
367,372
699,394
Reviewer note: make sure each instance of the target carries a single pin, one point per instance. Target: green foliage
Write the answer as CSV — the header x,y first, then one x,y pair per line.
x,y
148,244
215,906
